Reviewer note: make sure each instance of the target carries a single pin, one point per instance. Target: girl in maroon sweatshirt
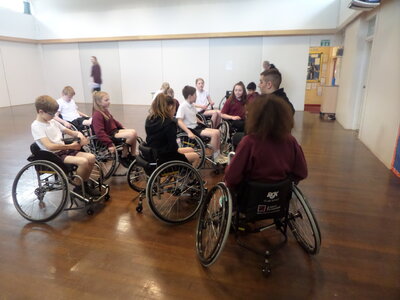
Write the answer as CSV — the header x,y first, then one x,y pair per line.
x,y
269,153
105,127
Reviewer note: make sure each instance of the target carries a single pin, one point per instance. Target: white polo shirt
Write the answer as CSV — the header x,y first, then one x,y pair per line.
x,y
187,112
52,130
68,110
201,98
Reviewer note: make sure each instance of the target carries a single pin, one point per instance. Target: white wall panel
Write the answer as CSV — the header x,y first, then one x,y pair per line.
x,y
24,73
108,57
141,70
289,55
77,18
4,98
184,61
61,68
16,24
233,60
381,119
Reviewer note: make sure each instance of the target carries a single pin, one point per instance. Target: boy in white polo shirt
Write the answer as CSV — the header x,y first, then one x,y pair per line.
x,y
189,123
47,134
69,111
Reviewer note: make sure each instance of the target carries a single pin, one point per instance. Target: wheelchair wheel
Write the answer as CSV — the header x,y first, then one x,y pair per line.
x,y
214,224
197,144
137,177
108,161
40,191
303,224
175,192
224,132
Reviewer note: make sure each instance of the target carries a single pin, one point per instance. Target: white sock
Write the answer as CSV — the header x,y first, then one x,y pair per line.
x,y
216,154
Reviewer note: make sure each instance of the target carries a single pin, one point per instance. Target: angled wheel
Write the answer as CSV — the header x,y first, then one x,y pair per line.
x,y
226,146
175,192
196,144
303,223
137,177
40,191
214,224
108,161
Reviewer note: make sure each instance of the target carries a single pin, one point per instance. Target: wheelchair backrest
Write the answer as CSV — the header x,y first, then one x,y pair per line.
x,y
260,200
147,153
39,154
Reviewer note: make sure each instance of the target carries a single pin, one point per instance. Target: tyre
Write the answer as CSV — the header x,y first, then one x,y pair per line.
x,y
40,191
213,224
302,223
196,144
175,192
137,177
108,161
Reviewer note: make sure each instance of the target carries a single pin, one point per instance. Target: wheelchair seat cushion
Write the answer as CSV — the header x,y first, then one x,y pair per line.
x,y
38,154
261,201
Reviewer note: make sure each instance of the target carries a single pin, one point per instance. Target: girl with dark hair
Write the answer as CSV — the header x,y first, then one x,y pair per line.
x,y
235,107
269,153
161,132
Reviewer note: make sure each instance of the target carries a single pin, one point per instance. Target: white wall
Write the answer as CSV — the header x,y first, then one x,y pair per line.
x,y
183,61
23,71
14,24
61,68
4,97
233,60
381,119
76,18
290,56
350,79
141,71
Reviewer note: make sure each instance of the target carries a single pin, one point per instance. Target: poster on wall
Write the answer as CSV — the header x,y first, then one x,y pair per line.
x,y
396,157
314,66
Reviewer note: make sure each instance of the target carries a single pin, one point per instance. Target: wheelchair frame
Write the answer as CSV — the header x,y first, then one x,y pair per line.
x,y
174,189
52,178
216,213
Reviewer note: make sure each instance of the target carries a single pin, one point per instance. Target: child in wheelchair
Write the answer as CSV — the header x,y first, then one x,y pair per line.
x,y
161,131
47,133
204,104
68,109
234,110
268,153
105,127
189,123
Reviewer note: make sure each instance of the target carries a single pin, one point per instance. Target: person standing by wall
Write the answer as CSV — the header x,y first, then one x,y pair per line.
x,y
96,74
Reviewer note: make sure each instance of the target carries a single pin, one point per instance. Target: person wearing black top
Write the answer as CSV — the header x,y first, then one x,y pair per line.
x,y
270,80
161,127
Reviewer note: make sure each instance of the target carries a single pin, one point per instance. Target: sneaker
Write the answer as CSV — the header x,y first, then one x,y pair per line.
x,y
92,191
221,159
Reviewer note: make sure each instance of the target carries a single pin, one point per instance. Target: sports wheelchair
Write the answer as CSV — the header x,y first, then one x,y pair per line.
x,y
109,162
174,190
42,188
283,203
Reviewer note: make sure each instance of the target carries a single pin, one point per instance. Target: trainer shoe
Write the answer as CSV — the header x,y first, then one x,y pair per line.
x,y
221,159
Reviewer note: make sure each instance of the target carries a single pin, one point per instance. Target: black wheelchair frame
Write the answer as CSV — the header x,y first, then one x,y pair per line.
x,y
282,203
174,190
41,188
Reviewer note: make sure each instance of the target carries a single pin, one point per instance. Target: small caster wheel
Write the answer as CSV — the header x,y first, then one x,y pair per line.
x,y
90,212
266,271
107,197
139,209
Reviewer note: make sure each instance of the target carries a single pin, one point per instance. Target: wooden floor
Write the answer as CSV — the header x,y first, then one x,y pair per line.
x,y
120,254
